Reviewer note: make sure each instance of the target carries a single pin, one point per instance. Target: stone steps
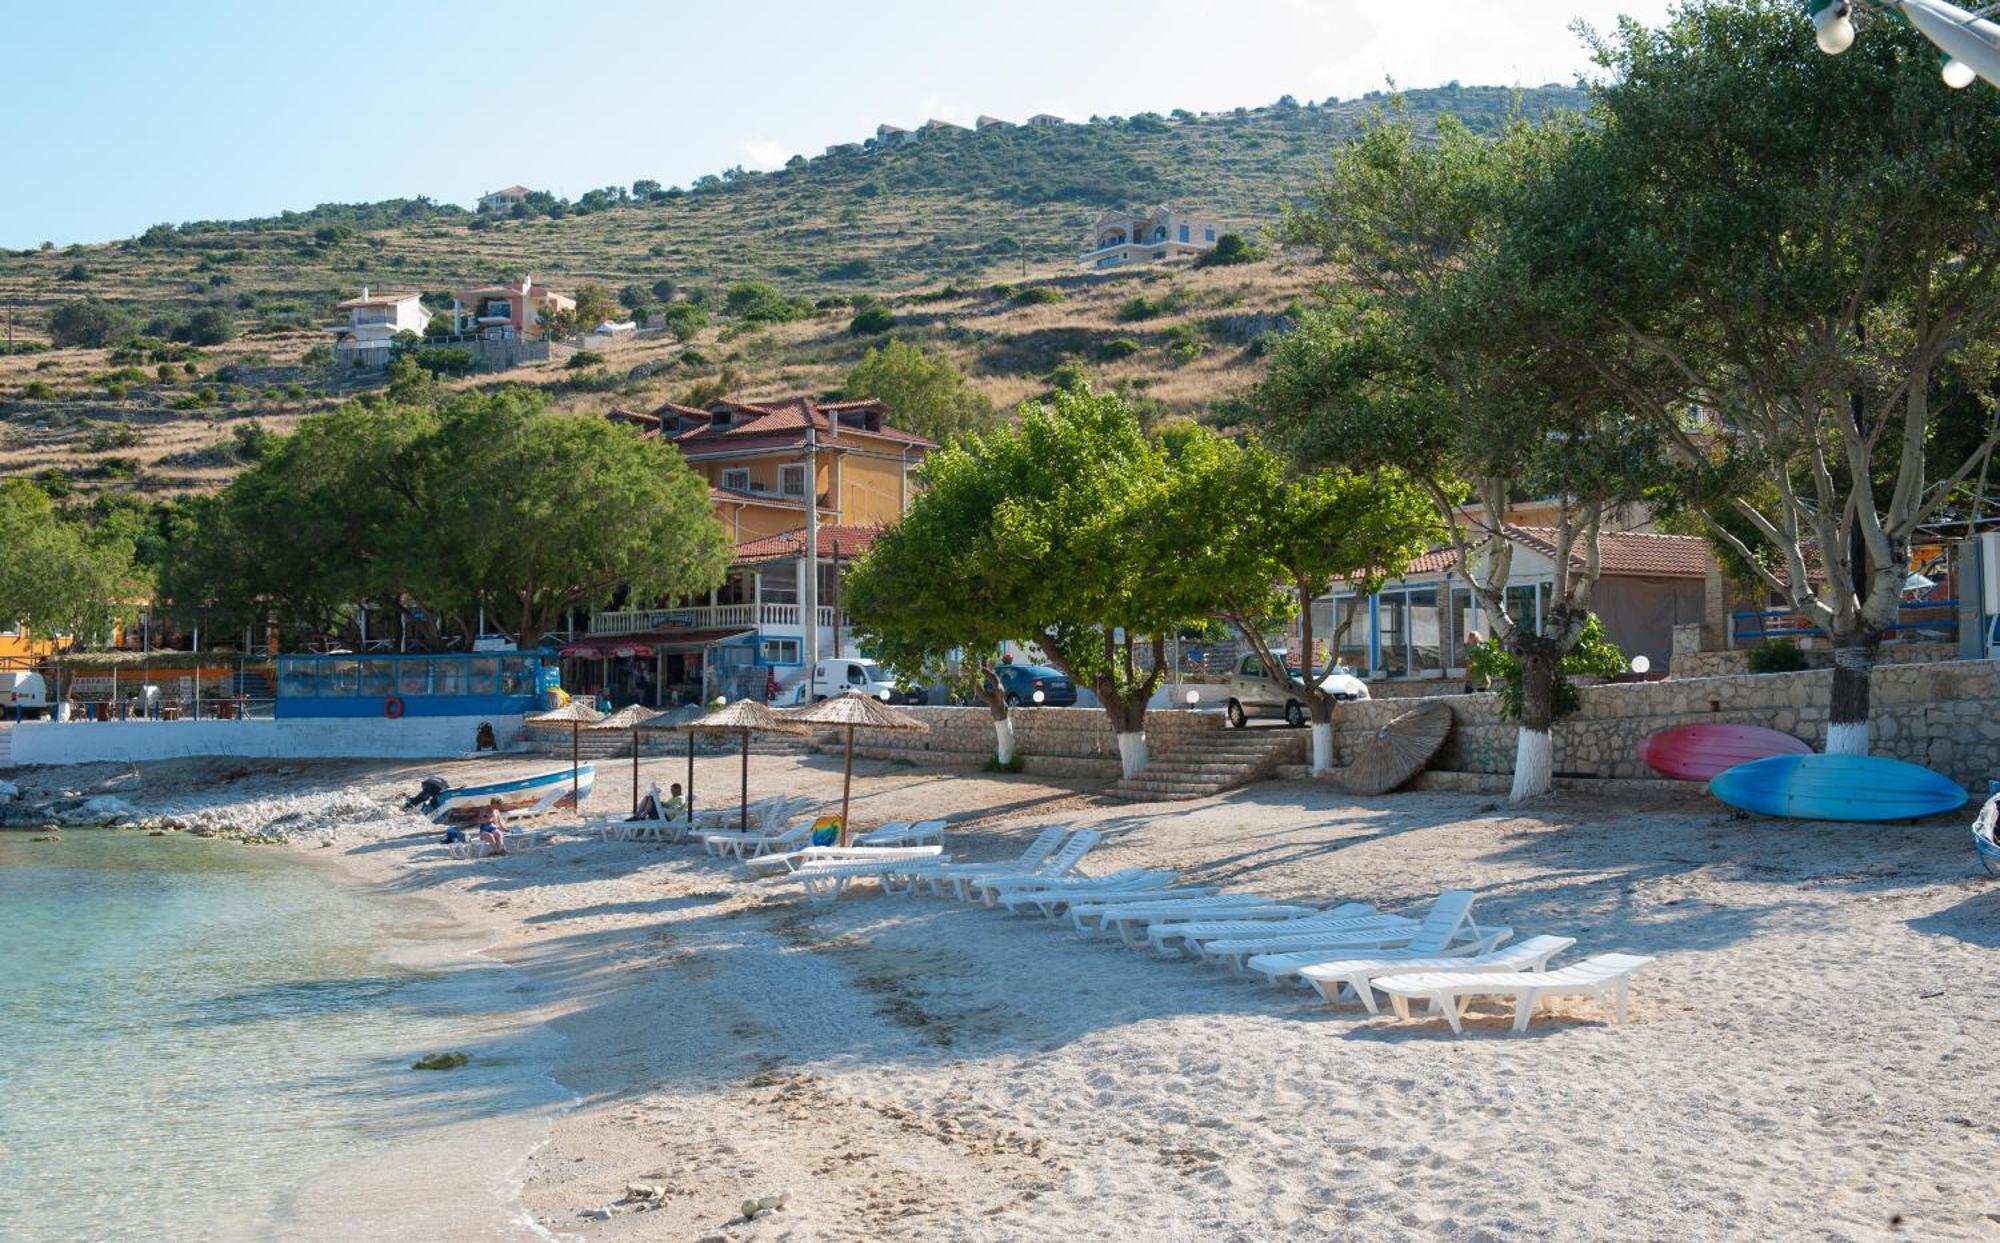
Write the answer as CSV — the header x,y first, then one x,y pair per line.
x,y
6,745
1216,763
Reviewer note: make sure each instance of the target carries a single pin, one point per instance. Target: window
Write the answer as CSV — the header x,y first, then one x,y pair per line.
x,y
1426,631
413,677
1208,234
792,480
1394,616
857,676
1252,667
1522,602
1160,233
1184,233
1464,621
1353,649
780,652
483,675
736,479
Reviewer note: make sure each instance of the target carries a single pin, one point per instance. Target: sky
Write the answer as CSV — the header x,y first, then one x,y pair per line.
x,y
132,114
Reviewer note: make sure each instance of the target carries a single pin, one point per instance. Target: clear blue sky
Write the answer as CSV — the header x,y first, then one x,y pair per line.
x,y
133,113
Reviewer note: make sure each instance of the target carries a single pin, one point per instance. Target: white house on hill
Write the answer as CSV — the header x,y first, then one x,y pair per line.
x,y
1121,237
372,319
503,200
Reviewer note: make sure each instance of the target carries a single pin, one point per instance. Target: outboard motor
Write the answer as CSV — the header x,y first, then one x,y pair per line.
x,y
427,796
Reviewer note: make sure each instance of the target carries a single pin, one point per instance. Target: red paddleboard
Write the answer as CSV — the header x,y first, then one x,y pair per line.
x,y
1698,752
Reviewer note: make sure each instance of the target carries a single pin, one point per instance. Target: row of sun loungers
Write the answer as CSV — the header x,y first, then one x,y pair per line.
x,y
1346,953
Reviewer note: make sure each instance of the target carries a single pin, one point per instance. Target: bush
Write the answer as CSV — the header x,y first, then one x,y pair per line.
x,y
876,319
1184,343
209,326
115,390
1036,295
77,272
89,322
584,358
1118,347
1776,656
684,320
37,390
760,303
859,269
1139,308
1592,655
105,437
248,441
994,764
317,356
446,362
1230,248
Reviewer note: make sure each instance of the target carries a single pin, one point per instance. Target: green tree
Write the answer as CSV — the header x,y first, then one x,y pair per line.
x,y
1435,363
89,322
761,303
595,303
211,325
60,577
1292,538
926,393
684,320
1803,245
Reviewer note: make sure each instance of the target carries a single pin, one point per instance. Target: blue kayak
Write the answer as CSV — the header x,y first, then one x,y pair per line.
x,y
1837,787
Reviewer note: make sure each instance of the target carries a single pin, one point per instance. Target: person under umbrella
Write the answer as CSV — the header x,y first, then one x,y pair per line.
x,y
854,710
744,717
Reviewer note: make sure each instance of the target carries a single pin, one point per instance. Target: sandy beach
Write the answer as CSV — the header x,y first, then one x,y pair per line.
x,y
1811,1056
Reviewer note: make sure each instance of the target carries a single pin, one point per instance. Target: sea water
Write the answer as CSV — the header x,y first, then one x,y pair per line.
x,y
205,1040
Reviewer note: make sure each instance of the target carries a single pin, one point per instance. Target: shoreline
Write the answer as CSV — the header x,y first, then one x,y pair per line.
x,y
914,1069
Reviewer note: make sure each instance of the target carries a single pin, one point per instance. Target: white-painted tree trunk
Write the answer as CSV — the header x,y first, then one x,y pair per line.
x,y
1003,739
1132,754
1534,764
1847,738
1322,748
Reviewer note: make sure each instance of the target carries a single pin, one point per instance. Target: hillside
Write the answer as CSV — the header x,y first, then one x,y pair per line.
x,y
957,212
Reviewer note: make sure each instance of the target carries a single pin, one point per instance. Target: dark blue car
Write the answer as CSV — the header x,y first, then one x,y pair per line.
x,y
1020,682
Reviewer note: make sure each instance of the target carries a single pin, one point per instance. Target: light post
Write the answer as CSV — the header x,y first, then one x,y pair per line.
x,y
1970,43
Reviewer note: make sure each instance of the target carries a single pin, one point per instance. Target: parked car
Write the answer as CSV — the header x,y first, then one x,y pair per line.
x,y
1020,682
1252,692
835,677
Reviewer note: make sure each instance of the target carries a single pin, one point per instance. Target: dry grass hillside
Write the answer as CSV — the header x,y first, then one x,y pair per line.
x,y
943,230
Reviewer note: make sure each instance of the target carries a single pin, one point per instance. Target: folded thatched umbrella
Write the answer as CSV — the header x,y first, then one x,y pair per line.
x,y
1398,751
676,719
578,714
631,717
854,709
742,717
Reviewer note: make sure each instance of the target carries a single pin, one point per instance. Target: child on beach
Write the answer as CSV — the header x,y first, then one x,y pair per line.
x,y
493,829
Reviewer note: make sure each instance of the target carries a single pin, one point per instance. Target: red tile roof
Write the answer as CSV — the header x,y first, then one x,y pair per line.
x,y
781,420
1621,554
852,541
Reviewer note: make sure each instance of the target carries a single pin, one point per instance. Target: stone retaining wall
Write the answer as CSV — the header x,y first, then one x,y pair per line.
x,y
1056,742
1944,715
1819,656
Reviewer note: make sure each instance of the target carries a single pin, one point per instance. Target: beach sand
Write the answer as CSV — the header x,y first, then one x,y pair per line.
x,y
1812,1056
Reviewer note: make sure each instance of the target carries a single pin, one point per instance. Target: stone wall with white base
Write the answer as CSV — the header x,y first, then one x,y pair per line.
x,y
412,738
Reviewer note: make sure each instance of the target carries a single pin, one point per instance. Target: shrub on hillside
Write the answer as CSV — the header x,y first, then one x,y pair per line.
x,y
1117,348
89,322
1036,295
446,362
584,358
209,326
761,303
1230,248
876,319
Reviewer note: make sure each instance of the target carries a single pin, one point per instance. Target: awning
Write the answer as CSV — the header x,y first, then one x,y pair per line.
x,y
666,643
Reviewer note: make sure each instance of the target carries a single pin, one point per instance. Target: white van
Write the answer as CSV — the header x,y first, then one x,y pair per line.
x,y
852,673
23,692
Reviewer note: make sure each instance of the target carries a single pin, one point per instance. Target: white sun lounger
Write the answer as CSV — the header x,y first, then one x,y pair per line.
x,y
960,875
1021,890
1282,956
902,834
827,881
1053,900
1128,918
1055,870
1358,974
1605,976
1189,933
816,856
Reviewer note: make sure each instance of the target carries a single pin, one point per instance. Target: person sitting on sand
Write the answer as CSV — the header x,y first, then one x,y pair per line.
x,y
493,828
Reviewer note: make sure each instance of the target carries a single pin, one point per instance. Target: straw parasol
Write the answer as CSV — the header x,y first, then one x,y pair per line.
x,y
853,710
744,717
577,715
1398,751
678,718
631,717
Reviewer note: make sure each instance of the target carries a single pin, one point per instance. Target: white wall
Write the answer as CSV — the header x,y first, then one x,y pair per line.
x,y
415,738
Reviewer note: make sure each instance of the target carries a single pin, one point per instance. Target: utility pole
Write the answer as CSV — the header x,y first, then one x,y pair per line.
x,y
809,590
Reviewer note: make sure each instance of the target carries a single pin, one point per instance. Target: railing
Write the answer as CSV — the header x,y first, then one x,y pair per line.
x,y
1932,620
641,621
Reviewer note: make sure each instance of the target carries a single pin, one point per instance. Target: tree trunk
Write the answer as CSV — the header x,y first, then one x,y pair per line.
x,y
1128,720
1534,768
1847,713
1321,706
1003,725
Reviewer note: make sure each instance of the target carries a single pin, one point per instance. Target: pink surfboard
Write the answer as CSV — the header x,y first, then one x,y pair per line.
x,y
1698,752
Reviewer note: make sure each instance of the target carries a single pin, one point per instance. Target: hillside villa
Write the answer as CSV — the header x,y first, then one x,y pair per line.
x,y
504,200
373,319
748,634
1046,120
506,312
1158,235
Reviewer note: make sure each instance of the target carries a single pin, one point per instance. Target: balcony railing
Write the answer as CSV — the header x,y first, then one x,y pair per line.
x,y
641,621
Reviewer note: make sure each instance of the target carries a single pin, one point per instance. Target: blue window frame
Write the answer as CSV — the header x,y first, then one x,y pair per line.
x,y
1208,235
1184,233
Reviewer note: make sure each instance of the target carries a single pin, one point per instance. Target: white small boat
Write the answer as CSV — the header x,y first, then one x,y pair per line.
x,y
528,796
1983,839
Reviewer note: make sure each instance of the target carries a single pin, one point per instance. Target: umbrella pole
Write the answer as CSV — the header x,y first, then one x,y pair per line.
x,y
846,783
743,818
635,770
690,789
575,799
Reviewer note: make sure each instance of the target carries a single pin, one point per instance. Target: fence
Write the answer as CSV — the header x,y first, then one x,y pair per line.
x,y
1934,621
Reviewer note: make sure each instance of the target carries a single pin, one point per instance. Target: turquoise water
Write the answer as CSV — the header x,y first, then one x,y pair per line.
x,y
202,1040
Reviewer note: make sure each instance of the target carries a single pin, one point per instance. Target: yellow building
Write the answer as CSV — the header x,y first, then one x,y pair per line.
x,y
749,634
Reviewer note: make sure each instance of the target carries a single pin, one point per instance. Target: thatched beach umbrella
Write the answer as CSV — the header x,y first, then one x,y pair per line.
x,y
677,719
576,714
631,717
853,710
743,717
1398,751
